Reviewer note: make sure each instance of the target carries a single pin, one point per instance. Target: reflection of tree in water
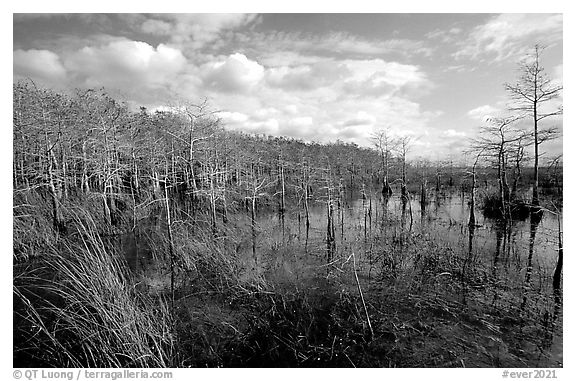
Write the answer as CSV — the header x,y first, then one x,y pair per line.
x,y
464,275
504,229
535,219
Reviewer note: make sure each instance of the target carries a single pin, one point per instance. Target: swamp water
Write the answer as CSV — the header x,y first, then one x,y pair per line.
x,y
482,297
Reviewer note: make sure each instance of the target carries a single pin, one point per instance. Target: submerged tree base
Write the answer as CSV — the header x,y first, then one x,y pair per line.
x,y
518,210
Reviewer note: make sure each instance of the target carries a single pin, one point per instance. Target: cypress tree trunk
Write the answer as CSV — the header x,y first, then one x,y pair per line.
x,y
472,220
558,270
423,196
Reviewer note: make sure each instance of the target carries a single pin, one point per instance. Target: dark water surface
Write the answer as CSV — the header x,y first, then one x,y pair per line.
x,y
517,259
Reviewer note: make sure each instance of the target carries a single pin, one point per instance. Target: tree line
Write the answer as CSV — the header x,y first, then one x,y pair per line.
x,y
88,144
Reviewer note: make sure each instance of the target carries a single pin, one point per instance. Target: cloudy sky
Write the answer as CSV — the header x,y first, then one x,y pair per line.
x,y
310,76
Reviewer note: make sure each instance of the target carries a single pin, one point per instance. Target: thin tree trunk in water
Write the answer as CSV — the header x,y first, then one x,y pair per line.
x,y
501,180
282,203
472,220
508,206
535,195
500,241
330,231
402,225
384,215
299,226
365,225
386,188
423,196
471,231
533,228
558,270
463,277
306,209
307,236
283,195
508,241
410,209
403,189
225,208
253,224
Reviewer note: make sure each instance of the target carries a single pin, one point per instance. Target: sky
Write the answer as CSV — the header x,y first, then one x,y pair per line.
x,y
316,77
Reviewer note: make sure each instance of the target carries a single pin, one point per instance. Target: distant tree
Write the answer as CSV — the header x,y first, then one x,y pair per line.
x,y
497,142
477,153
529,95
384,143
518,156
404,145
423,167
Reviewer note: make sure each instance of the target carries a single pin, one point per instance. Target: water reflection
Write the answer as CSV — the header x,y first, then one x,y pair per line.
x,y
534,221
509,256
445,213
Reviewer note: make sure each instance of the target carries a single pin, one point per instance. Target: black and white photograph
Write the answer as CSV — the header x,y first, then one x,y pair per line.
x,y
287,190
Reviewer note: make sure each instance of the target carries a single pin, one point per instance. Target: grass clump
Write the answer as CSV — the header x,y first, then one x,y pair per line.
x,y
75,306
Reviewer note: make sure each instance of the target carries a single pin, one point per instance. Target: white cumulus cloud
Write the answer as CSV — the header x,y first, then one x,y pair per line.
x,y
236,73
127,64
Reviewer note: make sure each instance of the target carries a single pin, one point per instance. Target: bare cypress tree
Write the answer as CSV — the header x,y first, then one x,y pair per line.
x,y
529,94
330,230
384,143
497,141
404,147
472,219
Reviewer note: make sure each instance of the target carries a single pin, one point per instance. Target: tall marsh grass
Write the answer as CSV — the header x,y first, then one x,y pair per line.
x,y
74,306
